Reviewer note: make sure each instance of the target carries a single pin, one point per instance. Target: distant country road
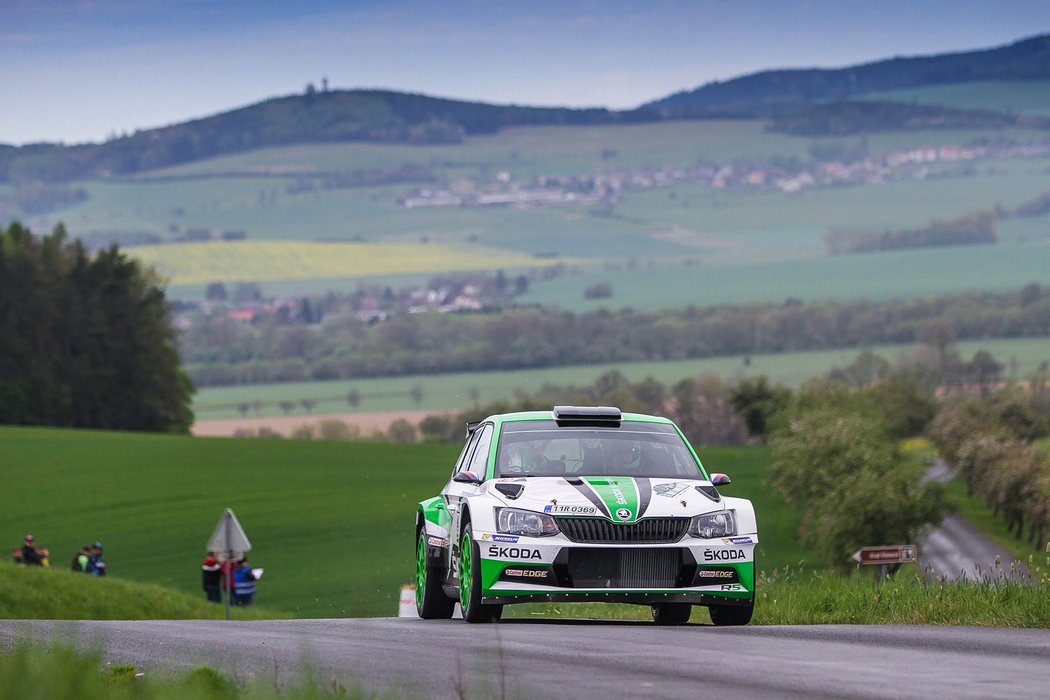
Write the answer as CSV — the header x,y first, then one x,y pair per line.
x,y
958,550
566,659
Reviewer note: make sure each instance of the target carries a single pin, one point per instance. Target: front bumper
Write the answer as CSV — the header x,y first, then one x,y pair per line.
x,y
696,571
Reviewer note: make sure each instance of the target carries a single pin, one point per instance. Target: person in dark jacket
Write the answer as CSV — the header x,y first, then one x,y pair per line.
x,y
243,584
29,555
96,566
211,578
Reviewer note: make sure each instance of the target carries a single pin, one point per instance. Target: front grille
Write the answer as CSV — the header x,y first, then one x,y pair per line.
x,y
645,531
626,568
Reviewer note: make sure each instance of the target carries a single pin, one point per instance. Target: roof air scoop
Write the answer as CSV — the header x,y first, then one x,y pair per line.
x,y
593,416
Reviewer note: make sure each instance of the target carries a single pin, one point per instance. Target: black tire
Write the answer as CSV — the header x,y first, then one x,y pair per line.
x,y
470,582
672,613
730,615
431,601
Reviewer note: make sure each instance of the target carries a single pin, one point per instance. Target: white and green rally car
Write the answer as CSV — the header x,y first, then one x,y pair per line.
x,y
584,504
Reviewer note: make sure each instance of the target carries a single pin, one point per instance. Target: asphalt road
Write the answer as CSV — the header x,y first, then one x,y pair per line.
x,y
957,550
566,659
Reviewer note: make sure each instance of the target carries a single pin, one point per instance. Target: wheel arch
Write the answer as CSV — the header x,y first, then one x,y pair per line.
x,y
420,520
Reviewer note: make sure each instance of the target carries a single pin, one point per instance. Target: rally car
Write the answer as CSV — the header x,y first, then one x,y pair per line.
x,y
584,504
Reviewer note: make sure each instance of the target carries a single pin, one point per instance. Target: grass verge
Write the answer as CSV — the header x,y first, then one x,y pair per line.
x,y
30,592
62,673
819,598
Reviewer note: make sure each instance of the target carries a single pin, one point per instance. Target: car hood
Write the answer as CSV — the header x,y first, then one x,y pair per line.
x,y
622,499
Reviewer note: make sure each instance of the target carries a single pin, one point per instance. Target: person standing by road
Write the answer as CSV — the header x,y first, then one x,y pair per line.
x,y
80,561
243,584
28,554
211,578
96,566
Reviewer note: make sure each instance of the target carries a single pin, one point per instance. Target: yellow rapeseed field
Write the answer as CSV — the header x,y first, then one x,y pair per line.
x,y
258,261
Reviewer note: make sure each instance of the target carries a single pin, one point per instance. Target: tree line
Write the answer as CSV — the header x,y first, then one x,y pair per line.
x,y
221,351
836,441
85,339
836,459
973,229
990,443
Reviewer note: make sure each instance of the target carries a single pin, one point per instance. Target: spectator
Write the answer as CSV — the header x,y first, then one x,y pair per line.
x,y
80,559
228,565
243,583
96,566
28,554
211,573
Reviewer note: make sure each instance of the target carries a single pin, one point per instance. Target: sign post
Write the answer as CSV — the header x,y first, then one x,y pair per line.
x,y
231,543
886,555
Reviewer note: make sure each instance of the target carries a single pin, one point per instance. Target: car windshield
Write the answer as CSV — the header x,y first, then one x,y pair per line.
x,y
542,448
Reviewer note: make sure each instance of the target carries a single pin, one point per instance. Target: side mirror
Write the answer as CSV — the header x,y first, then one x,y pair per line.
x,y
720,479
467,478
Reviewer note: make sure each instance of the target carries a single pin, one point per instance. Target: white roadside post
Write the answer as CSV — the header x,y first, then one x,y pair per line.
x,y
407,603
229,540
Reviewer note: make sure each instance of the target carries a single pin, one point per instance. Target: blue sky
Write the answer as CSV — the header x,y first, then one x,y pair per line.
x,y
84,70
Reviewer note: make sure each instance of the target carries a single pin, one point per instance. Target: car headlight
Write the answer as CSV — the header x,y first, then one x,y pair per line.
x,y
711,525
512,521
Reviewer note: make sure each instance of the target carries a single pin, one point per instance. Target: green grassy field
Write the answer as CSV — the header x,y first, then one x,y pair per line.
x,y
1019,97
875,276
779,221
454,390
331,523
529,151
747,241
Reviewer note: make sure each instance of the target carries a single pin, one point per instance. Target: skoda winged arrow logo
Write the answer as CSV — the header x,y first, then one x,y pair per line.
x,y
623,514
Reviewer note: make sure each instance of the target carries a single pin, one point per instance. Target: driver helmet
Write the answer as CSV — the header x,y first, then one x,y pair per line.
x,y
624,453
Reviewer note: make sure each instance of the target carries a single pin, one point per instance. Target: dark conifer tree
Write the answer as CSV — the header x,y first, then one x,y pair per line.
x,y
85,341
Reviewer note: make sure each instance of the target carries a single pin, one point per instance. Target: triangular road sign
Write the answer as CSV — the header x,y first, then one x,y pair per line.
x,y
229,541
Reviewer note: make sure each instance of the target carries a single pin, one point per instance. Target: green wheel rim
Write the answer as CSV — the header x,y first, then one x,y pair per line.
x,y
466,572
421,568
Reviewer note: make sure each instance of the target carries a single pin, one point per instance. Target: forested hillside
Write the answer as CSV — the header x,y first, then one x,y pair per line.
x,y
314,117
774,91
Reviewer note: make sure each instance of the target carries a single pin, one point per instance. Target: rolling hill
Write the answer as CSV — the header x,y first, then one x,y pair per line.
x,y
315,117
377,116
777,91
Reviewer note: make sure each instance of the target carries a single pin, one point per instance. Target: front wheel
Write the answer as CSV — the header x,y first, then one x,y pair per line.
x,y
431,601
470,582
672,613
727,615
